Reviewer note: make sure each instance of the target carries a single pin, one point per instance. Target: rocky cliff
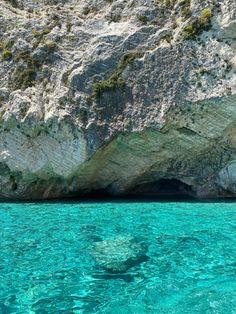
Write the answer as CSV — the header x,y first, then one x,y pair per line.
x,y
117,96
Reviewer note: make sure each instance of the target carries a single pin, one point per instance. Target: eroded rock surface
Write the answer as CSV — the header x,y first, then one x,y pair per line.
x,y
117,96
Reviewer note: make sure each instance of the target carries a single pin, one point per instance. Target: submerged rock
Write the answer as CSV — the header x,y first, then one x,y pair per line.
x,y
117,255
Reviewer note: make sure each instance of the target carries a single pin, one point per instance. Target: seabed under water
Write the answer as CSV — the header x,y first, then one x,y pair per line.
x,y
118,256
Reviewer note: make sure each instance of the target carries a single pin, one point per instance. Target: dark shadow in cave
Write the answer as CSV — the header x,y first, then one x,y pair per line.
x,y
163,188
160,189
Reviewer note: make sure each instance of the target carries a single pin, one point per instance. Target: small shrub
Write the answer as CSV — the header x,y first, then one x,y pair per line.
x,y
185,9
174,25
83,115
203,22
205,17
115,18
127,59
142,18
50,44
115,80
68,26
37,33
13,3
26,76
26,57
6,45
186,13
23,78
99,110
6,54
168,37
189,31
185,3
2,44
86,10
167,4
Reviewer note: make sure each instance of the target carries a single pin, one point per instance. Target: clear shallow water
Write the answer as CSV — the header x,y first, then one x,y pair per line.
x,y
47,260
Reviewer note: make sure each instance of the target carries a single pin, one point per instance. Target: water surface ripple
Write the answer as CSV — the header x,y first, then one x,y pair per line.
x,y
47,262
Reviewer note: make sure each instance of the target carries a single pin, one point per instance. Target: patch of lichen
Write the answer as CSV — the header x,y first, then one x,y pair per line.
x,y
115,80
198,25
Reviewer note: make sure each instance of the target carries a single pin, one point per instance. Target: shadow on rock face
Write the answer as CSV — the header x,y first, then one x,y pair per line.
x,y
163,187
117,255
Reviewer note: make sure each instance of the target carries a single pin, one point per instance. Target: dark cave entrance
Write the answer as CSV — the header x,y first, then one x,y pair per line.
x,y
160,189
163,188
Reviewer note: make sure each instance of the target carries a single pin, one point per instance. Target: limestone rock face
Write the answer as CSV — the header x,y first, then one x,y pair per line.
x,y
117,255
122,96
227,177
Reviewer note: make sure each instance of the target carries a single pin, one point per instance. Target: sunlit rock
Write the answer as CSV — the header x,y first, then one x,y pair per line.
x,y
115,97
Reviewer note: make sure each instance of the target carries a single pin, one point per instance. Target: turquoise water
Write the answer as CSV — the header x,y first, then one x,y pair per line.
x,y
49,257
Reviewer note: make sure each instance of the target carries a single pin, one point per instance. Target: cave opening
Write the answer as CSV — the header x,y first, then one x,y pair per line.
x,y
163,188
160,189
